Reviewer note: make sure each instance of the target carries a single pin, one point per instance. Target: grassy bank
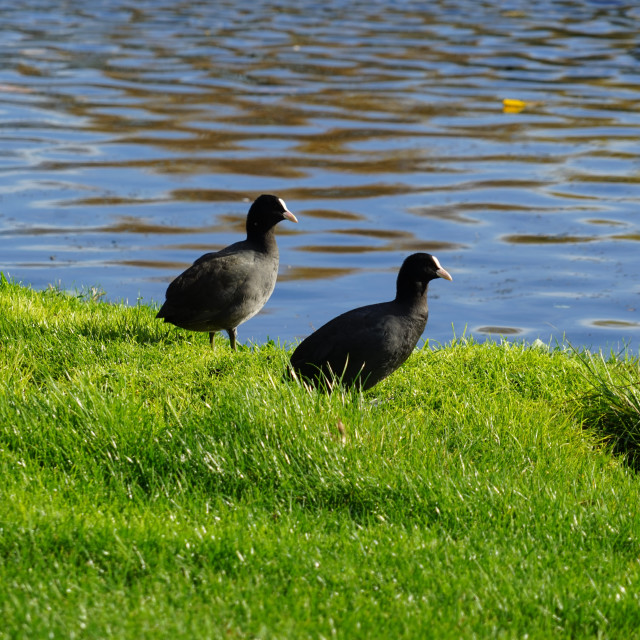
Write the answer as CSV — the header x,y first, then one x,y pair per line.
x,y
152,488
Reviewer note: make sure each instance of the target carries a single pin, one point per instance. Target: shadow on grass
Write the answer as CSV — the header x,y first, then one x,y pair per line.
x,y
612,404
123,332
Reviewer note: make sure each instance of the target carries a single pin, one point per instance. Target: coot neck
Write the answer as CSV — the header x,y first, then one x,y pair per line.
x,y
261,239
412,294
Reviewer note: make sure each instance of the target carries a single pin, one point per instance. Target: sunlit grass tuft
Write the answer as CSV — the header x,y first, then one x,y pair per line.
x,y
612,403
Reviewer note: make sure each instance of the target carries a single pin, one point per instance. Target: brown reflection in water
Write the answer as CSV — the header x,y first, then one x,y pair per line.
x,y
374,233
565,239
284,167
192,142
456,212
394,162
196,248
130,224
257,115
406,245
29,70
627,236
332,214
299,194
615,324
333,249
153,264
207,195
315,273
430,246
440,212
609,223
325,146
103,201
605,178
503,331
373,190
238,223
540,239
401,240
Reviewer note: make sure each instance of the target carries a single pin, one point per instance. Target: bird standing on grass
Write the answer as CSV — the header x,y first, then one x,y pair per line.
x,y
223,289
365,345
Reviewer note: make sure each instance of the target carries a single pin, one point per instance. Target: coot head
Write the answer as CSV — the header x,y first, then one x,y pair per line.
x,y
415,274
265,212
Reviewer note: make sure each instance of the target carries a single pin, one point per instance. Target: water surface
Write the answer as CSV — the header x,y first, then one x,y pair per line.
x,y
133,137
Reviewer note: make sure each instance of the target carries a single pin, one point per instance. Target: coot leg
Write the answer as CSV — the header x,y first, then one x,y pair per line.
x,y
233,334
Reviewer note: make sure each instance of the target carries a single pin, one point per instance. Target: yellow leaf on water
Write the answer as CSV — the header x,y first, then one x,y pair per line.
x,y
511,105
512,102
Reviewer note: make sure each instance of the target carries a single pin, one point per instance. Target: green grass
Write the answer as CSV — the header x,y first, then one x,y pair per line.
x,y
152,488
613,402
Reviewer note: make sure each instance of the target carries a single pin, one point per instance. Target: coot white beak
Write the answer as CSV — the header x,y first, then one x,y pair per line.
x,y
289,216
286,213
443,273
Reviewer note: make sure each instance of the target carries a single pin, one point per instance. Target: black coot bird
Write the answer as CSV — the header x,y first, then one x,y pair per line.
x,y
223,289
365,345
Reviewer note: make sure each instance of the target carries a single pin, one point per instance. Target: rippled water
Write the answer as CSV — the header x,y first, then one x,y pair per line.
x,y
133,136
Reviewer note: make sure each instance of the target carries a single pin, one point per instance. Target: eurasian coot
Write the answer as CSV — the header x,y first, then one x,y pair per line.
x,y
363,346
223,289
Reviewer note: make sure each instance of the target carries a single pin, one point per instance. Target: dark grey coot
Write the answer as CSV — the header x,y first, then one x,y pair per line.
x,y
365,345
223,289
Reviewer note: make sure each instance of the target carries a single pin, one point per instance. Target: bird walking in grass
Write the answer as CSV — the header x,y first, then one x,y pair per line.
x,y
225,288
365,345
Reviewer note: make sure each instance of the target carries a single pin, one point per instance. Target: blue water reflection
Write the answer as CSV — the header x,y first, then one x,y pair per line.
x,y
134,135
